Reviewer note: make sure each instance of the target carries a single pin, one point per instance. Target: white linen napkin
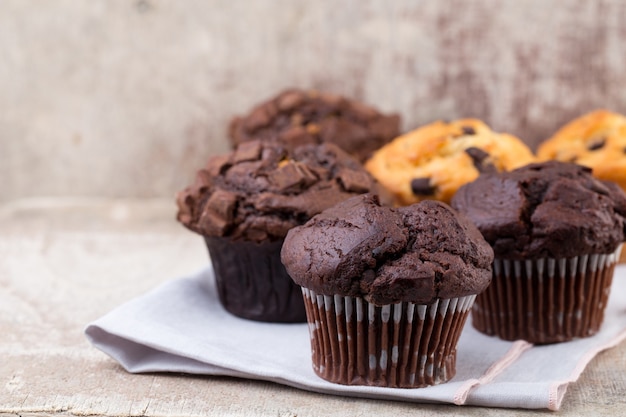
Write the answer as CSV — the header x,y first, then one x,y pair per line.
x,y
181,327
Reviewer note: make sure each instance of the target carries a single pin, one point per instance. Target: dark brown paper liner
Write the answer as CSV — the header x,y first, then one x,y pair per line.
x,y
403,345
546,300
252,283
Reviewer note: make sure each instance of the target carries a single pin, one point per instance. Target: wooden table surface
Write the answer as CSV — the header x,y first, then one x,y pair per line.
x,y
64,263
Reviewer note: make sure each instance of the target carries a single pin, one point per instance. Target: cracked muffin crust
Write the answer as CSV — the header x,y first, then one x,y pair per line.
x,y
296,117
433,161
417,254
551,209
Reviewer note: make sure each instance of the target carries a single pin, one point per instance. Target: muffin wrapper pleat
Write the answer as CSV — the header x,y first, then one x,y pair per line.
x,y
252,283
546,300
405,345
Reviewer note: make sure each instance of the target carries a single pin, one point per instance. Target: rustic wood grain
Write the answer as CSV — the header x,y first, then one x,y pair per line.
x,y
128,98
64,263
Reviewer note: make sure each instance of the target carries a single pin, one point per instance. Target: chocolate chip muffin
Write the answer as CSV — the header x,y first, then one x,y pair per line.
x,y
244,202
433,161
556,232
295,117
387,290
596,140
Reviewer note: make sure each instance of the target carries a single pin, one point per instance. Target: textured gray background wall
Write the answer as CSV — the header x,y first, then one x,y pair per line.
x,y
128,98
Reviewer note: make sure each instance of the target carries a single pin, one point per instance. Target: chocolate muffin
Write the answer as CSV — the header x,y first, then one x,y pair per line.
x,y
295,117
387,290
244,202
556,232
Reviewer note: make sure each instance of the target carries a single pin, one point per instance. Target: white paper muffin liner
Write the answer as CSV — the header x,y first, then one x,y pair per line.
x,y
546,300
402,345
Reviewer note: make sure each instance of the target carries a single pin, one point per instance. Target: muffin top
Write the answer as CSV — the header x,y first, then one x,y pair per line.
x,y
551,209
418,253
261,190
295,117
596,140
433,161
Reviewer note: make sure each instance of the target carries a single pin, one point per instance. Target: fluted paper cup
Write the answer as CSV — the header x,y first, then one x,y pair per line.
x,y
546,300
252,283
404,345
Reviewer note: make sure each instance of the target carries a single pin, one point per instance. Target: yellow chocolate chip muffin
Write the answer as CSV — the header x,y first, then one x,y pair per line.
x,y
433,161
596,140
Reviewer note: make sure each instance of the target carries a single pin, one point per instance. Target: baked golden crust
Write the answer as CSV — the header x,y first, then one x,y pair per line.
x,y
596,140
433,161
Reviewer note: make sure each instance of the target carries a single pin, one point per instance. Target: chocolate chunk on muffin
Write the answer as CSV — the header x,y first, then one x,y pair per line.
x,y
243,203
296,117
556,232
361,264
